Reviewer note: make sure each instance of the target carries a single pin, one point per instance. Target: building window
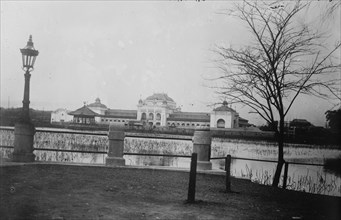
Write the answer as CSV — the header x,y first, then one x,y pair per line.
x,y
151,116
157,123
183,124
221,123
143,116
158,116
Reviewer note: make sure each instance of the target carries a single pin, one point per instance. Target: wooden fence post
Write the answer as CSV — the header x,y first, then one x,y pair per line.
x,y
286,165
192,179
228,173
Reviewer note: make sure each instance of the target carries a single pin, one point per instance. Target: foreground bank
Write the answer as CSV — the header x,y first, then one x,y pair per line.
x,y
47,191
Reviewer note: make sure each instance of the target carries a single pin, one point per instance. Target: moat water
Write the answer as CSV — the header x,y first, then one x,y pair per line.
x,y
308,178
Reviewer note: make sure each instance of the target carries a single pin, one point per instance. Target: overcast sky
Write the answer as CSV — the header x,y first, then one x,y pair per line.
x,y
121,51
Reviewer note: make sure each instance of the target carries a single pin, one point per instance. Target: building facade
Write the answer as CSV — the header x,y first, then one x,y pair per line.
x,y
155,109
61,115
224,117
158,110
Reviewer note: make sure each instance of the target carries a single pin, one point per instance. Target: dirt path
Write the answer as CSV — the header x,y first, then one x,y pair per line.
x,y
41,191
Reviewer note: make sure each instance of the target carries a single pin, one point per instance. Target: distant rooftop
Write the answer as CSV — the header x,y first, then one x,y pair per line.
x,y
224,108
84,111
160,96
189,116
97,104
119,113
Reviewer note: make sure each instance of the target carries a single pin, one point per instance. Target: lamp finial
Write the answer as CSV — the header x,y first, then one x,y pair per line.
x,y
30,43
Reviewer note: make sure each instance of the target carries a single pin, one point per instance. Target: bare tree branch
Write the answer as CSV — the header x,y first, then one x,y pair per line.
x,y
285,60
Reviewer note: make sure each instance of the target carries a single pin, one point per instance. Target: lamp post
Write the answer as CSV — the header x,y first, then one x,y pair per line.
x,y
24,129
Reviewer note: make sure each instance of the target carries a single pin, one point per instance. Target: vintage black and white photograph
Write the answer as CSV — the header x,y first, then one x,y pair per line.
x,y
170,109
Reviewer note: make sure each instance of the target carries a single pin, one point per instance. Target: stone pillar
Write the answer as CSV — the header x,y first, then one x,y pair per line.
x,y
116,145
23,142
202,146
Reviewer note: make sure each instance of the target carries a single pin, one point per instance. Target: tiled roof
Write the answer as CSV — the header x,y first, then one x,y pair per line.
x,y
119,113
160,96
189,116
84,111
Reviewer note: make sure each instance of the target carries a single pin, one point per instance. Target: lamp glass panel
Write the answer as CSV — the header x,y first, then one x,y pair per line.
x,y
26,60
23,59
33,60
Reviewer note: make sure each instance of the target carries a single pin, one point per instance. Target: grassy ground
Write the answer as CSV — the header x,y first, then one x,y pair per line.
x,y
47,191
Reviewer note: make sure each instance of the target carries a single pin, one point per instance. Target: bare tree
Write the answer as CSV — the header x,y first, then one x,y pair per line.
x,y
331,8
286,59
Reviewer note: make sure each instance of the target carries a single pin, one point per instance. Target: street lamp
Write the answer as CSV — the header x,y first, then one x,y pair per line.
x,y
24,130
29,55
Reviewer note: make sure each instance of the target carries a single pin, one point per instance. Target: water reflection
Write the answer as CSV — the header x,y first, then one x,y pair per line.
x,y
313,179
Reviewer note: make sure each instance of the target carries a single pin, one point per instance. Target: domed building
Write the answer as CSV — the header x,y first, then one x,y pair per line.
x,y
224,117
98,107
155,109
98,113
159,110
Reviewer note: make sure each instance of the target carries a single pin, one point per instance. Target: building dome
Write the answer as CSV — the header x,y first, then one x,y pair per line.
x,y
97,104
160,97
224,108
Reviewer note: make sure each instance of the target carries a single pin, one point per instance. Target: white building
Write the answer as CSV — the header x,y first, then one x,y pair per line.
x,y
156,109
224,117
61,115
159,110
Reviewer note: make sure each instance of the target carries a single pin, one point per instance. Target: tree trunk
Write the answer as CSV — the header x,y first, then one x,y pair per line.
x,y
280,141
